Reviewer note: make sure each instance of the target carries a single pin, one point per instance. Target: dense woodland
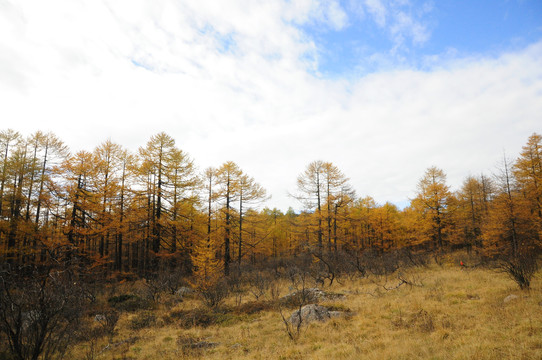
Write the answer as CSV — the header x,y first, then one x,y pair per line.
x,y
118,212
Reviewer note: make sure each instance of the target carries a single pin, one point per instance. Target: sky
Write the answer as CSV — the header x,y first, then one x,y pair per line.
x,y
383,89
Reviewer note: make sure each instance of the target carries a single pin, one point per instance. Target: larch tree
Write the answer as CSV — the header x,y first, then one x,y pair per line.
x,y
31,173
472,209
341,219
156,158
209,182
128,168
385,223
432,201
311,193
249,192
81,204
208,268
528,172
511,233
107,183
183,184
33,169
115,209
274,220
54,152
16,175
337,191
228,179
512,226
411,226
361,223
8,138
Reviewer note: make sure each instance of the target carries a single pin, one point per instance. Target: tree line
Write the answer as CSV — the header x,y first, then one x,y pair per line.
x,y
118,212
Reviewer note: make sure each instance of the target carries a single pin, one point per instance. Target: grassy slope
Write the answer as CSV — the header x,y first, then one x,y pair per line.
x,y
456,314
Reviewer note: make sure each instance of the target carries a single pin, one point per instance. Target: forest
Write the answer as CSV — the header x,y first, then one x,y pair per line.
x,y
109,216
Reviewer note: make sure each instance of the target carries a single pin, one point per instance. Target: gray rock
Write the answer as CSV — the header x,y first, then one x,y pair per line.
x,y
183,291
336,314
510,298
309,313
312,295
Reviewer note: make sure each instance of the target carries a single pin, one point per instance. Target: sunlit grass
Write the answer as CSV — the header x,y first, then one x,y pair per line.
x,y
450,313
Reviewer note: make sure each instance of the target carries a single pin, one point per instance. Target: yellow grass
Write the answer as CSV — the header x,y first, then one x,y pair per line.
x,y
456,314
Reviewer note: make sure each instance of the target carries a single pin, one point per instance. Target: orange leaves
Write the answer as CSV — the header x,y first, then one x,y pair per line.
x,y
432,204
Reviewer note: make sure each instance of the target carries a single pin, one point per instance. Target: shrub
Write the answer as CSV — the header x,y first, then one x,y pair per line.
x,y
204,317
114,300
130,303
108,321
254,307
521,269
259,282
40,312
214,295
143,320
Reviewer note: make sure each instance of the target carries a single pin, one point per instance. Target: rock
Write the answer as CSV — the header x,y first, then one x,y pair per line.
x,y
100,318
510,298
310,313
183,291
311,295
335,314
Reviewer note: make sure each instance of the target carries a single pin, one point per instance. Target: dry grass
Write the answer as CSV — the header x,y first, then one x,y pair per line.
x,y
455,313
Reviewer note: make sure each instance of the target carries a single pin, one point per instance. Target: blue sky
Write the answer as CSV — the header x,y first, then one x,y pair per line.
x,y
384,89
453,29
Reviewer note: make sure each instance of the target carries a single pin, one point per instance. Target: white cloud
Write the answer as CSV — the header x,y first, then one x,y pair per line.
x,y
401,20
378,10
234,83
335,15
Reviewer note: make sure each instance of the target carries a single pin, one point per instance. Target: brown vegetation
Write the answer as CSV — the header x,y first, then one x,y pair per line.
x,y
95,248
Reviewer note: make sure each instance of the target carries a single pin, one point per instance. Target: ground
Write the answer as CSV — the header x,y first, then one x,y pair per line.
x,y
447,311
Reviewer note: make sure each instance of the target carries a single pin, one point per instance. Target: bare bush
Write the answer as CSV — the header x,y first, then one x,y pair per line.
x,y
235,286
143,320
39,313
329,266
108,321
373,262
381,263
394,282
274,290
259,283
129,303
521,268
298,279
213,295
